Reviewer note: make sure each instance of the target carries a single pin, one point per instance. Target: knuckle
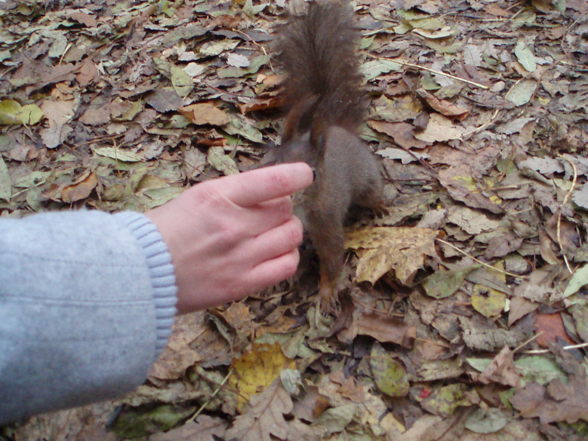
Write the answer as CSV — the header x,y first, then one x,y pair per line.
x,y
290,263
208,195
295,232
285,207
279,180
229,231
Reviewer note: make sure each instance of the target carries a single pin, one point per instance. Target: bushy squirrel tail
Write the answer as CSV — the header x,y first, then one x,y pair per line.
x,y
318,53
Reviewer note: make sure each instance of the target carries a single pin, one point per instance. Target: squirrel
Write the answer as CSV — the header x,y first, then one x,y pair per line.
x,y
326,104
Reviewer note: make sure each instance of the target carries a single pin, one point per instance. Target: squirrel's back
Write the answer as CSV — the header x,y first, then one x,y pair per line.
x,y
318,53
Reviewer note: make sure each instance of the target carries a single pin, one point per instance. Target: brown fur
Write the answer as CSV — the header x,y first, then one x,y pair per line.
x,y
317,51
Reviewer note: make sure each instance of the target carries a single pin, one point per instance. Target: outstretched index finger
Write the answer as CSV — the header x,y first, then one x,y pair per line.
x,y
264,184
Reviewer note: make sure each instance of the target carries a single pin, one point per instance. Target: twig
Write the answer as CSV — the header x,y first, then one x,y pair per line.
x,y
565,348
525,343
566,198
238,31
68,47
482,127
428,69
480,262
207,402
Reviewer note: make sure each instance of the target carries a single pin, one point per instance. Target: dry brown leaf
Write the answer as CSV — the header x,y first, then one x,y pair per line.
x,y
402,133
382,249
264,416
311,406
261,104
558,402
96,115
178,355
440,129
80,189
205,113
58,113
383,328
88,72
520,307
462,187
349,387
501,370
239,317
551,328
444,107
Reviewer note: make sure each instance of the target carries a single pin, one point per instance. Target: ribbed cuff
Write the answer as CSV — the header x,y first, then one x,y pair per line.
x,y
161,271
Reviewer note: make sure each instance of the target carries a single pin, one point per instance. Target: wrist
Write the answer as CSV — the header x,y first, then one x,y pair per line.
x,y
160,268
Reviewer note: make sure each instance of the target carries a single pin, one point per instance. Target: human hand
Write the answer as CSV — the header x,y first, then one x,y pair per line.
x,y
232,236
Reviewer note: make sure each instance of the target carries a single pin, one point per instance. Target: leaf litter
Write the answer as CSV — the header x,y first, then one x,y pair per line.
x,y
466,307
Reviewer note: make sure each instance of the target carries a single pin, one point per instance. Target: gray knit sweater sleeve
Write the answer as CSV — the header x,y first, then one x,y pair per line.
x,y
87,301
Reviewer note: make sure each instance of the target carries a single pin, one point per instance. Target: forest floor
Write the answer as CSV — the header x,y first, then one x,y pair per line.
x,y
465,315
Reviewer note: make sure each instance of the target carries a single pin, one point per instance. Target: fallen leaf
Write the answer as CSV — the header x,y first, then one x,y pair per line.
x,y
59,113
204,428
205,113
519,307
389,374
444,400
336,419
486,420
374,68
5,181
178,354
487,301
80,189
525,56
118,154
139,422
181,81
164,100
501,370
402,133
11,112
579,279
258,368
550,329
442,284
461,186
444,107
264,416
522,92
440,129
221,161
382,249
381,327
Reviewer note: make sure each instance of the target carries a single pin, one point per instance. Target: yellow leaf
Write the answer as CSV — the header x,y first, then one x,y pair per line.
x,y
257,368
11,112
488,301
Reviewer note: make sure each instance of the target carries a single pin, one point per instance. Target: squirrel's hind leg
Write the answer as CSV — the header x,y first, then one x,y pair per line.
x,y
325,228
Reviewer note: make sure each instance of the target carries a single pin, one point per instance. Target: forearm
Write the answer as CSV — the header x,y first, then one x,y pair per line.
x,y
86,304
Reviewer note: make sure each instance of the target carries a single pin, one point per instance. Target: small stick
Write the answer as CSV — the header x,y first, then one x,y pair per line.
x,y
216,391
566,198
428,69
238,31
566,348
480,262
482,127
522,345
